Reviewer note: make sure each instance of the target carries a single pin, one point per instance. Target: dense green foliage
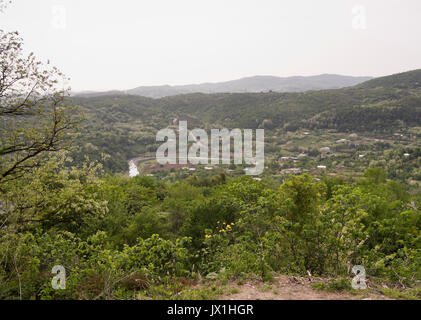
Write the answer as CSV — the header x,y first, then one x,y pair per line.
x,y
118,237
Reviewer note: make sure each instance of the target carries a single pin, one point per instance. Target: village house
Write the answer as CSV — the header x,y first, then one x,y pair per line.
x,y
291,171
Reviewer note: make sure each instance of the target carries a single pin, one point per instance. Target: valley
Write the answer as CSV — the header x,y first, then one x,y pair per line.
x,y
372,124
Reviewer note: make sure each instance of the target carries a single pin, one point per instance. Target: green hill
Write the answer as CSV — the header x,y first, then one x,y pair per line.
x,y
125,125
404,80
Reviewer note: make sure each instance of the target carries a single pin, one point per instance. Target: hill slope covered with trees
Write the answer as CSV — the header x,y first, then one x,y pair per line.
x,y
125,126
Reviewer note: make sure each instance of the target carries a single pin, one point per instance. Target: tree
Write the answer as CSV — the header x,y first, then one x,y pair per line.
x,y
34,117
54,196
375,175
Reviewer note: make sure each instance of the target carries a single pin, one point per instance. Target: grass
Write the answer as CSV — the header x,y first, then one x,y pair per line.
x,y
335,285
265,287
205,292
342,284
406,294
234,290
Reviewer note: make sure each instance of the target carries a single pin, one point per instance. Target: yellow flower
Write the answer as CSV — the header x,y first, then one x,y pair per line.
x,y
228,226
207,236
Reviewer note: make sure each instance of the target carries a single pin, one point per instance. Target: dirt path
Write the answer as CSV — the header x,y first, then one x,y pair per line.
x,y
293,288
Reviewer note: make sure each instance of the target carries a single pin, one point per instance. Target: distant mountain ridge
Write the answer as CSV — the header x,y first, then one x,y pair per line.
x,y
248,84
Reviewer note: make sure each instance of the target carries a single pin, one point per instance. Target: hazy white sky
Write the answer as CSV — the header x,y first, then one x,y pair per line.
x,y
123,44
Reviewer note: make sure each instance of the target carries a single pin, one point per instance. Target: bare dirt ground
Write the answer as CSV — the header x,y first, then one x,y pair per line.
x,y
293,288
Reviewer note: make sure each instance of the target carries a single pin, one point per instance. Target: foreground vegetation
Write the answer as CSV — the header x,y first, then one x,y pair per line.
x,y
121,238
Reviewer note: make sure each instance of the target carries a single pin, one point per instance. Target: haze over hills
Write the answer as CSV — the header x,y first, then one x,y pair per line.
x,y
248,84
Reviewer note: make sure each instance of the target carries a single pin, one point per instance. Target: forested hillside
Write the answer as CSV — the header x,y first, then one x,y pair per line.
x,y
125,126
